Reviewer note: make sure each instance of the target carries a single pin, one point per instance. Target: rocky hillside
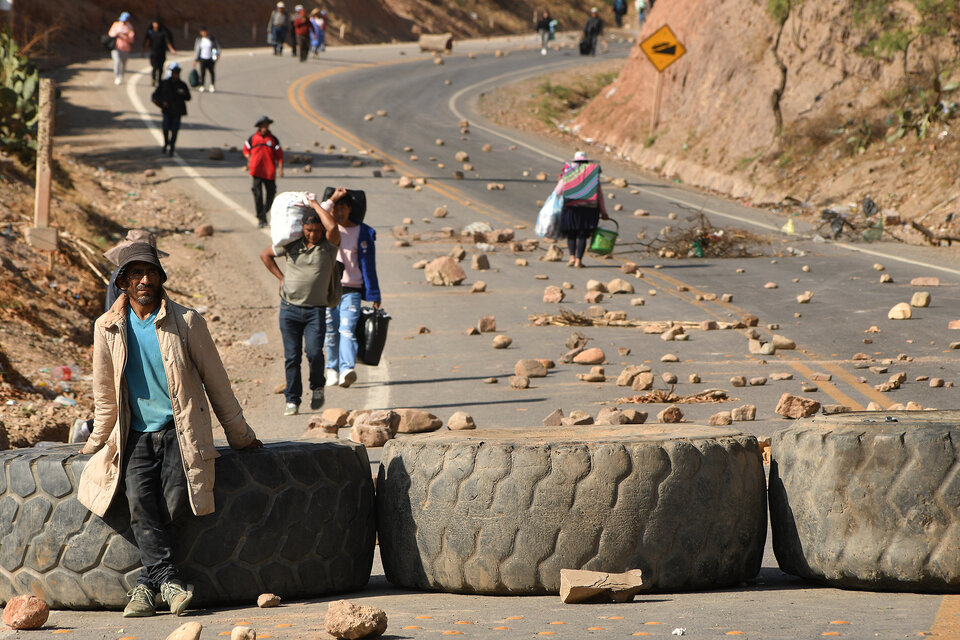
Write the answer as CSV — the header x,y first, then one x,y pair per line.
x,y
795,101
75,33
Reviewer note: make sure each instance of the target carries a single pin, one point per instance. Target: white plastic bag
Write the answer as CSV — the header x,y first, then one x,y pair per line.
x,y
548,220
285,214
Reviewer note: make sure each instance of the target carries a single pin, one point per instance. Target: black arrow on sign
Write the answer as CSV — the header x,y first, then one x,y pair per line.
x,y
665,48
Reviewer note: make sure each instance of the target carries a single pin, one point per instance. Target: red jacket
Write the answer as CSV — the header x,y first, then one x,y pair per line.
x,y
301,26
263,153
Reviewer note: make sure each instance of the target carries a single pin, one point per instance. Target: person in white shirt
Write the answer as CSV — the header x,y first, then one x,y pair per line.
x,y
206,52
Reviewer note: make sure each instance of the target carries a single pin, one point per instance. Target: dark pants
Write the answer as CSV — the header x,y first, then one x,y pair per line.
x,y
618,16
304,43
279,37
302,326
171,126
207,65
577,245
156,489
263,193
156,65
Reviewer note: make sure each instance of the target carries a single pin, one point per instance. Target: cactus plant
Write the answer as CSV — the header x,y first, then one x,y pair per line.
x,y
19,108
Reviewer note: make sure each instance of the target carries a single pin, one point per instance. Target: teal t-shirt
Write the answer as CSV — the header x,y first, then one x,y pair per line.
x,y
150,406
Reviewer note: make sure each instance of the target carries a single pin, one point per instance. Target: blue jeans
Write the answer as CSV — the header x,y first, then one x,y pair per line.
x,y
340,343
301,326
156,490
279,37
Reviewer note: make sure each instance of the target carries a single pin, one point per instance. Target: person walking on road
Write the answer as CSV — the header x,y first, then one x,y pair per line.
x,y
123,31
159,40
318,36
277,27
302,28
206,52
641,7
583,205
171,95
545,31
592,30
619,10
305,292
358,256
265,163
147,348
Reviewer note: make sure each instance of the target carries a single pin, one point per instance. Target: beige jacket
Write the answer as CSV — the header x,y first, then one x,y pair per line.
x,y
193,366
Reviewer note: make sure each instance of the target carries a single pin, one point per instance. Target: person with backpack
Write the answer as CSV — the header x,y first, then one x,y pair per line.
x,y
641,7
265,163
206,52
159,40
592,30
544,31
583,205
619,10
358,255
171,95
308,286
123,35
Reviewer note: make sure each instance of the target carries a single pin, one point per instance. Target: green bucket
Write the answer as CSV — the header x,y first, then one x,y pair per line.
x,y
604,239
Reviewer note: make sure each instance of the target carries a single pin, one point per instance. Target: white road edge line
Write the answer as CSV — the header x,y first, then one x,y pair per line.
x,y
452,104
378,393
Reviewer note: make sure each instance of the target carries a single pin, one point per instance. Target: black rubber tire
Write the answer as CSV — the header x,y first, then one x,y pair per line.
x,y
502,512
295,519
869,500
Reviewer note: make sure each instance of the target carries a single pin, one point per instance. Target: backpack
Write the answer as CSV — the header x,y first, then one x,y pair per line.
x,y
580,184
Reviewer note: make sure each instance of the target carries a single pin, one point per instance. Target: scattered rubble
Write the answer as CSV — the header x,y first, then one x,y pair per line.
x,y
577,586
791,406
351,621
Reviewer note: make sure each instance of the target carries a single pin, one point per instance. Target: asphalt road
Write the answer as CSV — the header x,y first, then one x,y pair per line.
x,y
325,102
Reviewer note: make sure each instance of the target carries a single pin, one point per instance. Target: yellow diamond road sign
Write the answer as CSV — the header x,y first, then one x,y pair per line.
x,y
663,48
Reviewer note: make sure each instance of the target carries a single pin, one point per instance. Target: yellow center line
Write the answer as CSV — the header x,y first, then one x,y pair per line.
x,y
296,94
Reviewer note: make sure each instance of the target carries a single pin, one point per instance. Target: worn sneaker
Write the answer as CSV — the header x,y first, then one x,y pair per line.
x,y
317,400
143,602
176,595
332,379
201,89
213,89
347,378
291,409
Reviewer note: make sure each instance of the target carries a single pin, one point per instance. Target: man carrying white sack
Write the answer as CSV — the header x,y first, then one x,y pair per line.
x,y
306,289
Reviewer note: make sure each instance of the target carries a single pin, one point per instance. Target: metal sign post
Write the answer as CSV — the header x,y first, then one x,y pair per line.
x,y
662,49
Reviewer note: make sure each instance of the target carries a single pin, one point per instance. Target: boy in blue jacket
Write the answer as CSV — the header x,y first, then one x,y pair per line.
x,y
358,255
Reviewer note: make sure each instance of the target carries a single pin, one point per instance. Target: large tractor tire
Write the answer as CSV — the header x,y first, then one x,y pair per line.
x,y
869,500
295,519
503,511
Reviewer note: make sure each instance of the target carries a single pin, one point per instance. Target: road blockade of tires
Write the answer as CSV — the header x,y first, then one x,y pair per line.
x,y
869,500
296,519
503,511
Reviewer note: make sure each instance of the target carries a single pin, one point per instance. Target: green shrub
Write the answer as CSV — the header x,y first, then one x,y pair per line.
x,y
19,108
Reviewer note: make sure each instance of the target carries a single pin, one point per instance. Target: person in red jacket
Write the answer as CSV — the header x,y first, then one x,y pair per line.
x,y
265,163
302,28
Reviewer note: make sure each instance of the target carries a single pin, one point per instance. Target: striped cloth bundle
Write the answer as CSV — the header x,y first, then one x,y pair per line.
x,y
579,184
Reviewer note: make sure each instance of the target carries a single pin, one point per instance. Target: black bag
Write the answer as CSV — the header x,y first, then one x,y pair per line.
x,y
371,333
194,78
357,200
109,42
155,97
585,47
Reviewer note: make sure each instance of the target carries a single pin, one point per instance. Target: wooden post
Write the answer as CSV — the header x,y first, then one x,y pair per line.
x,y
41,236
343,31
253,34
655,116
186,30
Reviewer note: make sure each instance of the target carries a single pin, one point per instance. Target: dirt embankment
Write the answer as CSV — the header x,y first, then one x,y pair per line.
x,y
840,138
75,34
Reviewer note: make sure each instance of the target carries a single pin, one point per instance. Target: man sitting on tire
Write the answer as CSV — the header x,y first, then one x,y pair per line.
x,y
147,348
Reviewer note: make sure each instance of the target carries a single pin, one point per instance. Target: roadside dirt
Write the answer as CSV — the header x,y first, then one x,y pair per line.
x,y
47,310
